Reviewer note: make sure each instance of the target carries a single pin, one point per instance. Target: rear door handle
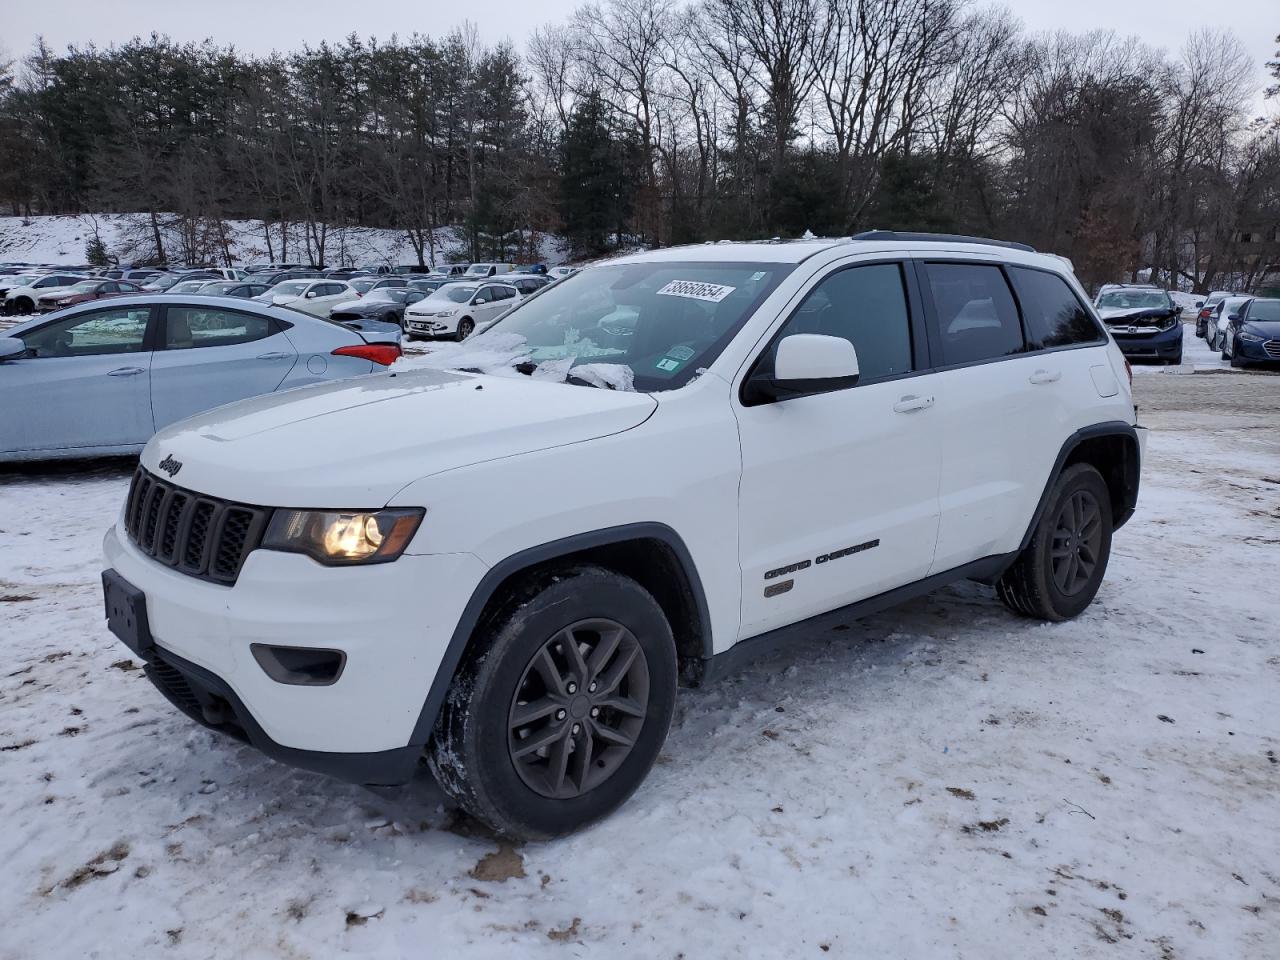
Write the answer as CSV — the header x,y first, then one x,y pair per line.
x,y
126,372
273,356
909,404
1045,376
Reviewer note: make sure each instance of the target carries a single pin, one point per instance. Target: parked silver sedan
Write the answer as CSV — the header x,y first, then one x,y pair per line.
x,y
100,379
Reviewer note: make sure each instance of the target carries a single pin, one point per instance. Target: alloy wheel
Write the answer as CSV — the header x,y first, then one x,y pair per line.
x,y
1077,542
578,709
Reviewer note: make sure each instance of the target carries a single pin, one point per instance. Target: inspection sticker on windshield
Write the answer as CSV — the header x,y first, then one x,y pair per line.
x,y
693,290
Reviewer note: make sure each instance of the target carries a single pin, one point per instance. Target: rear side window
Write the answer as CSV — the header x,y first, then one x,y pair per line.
x,y
1054,316
865,305
188,327
977,318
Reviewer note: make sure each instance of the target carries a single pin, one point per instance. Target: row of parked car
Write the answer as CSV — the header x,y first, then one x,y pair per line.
x,y
26,289
1146,323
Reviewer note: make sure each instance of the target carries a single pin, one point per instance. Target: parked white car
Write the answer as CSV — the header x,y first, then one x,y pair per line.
x,y
22,297
481,271
316,297
458,309
508,566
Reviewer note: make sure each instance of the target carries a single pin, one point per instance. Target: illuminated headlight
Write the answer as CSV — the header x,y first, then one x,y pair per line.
x,y
338,537
1251,337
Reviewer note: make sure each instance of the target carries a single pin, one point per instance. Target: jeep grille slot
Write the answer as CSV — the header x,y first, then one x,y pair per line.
x,y
200,536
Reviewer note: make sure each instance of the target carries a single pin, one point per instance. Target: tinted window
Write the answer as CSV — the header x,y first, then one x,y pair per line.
x,y
187,327
1054,316
866,306
976,316
88,334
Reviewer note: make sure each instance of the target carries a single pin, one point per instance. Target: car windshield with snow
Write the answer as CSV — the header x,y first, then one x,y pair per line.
x,y
1134,300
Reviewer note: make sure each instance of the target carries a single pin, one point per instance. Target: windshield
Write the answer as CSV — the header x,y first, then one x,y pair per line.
x,y
23,279
364,286
221,286
85,286
654,323
290,288
1264,310
383,293
478,270
187,286
1135,299
163,283
454,292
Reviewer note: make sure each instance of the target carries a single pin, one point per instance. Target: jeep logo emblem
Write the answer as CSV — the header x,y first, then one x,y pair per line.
x,y
170,465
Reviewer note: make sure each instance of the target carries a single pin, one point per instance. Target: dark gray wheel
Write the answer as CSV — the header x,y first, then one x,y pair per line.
x,y
24,305
578,710
1077,542
465,326
1061,569
560,705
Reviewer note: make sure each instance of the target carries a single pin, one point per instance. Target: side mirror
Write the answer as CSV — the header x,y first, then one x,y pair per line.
x,y
310,294
806,363
1232,316
478,301
11,348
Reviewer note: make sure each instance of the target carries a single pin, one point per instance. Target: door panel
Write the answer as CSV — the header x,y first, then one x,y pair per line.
x,y
85,383
839,491
214,356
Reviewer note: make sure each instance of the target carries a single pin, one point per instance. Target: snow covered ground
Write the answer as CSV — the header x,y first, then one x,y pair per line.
x,y
56,239
941,780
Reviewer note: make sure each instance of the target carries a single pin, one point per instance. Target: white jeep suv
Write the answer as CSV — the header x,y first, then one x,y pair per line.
x,y
649,472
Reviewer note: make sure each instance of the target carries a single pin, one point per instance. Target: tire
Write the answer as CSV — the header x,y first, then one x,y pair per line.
x,y
1033,586
465,326
23,305
518,651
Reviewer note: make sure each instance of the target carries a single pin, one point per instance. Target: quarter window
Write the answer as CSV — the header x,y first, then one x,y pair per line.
x,y
977,318
865,305
103,331
187,327
1054,315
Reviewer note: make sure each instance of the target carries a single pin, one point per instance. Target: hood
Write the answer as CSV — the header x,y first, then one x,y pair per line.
x,y
355,443
1263,328
1137,315
361,306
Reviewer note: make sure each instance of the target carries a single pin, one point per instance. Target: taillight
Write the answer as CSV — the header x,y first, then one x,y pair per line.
x,y
1204,314
383,353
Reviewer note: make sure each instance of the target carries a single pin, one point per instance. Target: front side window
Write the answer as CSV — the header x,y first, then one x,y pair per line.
x,y
977,318
188,327
865,305
122,330
1054,316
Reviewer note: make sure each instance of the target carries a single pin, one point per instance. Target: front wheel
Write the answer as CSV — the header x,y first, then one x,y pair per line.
x,y
1059,572
24,305
465,326
558,712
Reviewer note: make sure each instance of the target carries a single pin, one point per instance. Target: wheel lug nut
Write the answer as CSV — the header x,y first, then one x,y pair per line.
x,y
592,687
576,728
560,714
595,712
573,688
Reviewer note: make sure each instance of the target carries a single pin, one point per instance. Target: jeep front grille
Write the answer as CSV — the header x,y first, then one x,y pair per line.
x,y
200,536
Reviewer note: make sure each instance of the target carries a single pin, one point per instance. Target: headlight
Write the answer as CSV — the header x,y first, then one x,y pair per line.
x,y
337,537
1169,324
1251,337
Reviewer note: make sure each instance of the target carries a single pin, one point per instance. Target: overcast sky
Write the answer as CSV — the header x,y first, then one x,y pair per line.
x,y
259,26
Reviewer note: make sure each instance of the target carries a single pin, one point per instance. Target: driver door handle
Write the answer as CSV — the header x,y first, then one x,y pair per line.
x,y
1045,376
273,356
126,372
911,403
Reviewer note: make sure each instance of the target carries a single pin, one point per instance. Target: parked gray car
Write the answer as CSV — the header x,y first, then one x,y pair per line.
x,y
101,378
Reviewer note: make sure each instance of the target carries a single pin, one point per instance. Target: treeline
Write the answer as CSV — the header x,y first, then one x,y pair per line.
x,y
655,122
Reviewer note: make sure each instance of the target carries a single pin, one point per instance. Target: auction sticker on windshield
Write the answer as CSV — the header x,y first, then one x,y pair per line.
x,y
693,290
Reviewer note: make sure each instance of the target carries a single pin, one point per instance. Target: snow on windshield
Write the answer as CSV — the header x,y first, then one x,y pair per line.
x,y
498,354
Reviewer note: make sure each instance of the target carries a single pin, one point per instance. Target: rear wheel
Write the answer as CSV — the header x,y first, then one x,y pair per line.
x,y
1059,572
465,326
560,711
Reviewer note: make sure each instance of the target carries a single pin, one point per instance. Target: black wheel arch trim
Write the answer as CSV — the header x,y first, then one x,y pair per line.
x,y
533,556
1132,471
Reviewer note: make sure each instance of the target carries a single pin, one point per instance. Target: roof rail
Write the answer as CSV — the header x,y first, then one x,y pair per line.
x,y
939,238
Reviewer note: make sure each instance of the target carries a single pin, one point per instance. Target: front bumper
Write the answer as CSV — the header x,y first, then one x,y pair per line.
x,y
430,326
1255,351
1142,344
392,621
